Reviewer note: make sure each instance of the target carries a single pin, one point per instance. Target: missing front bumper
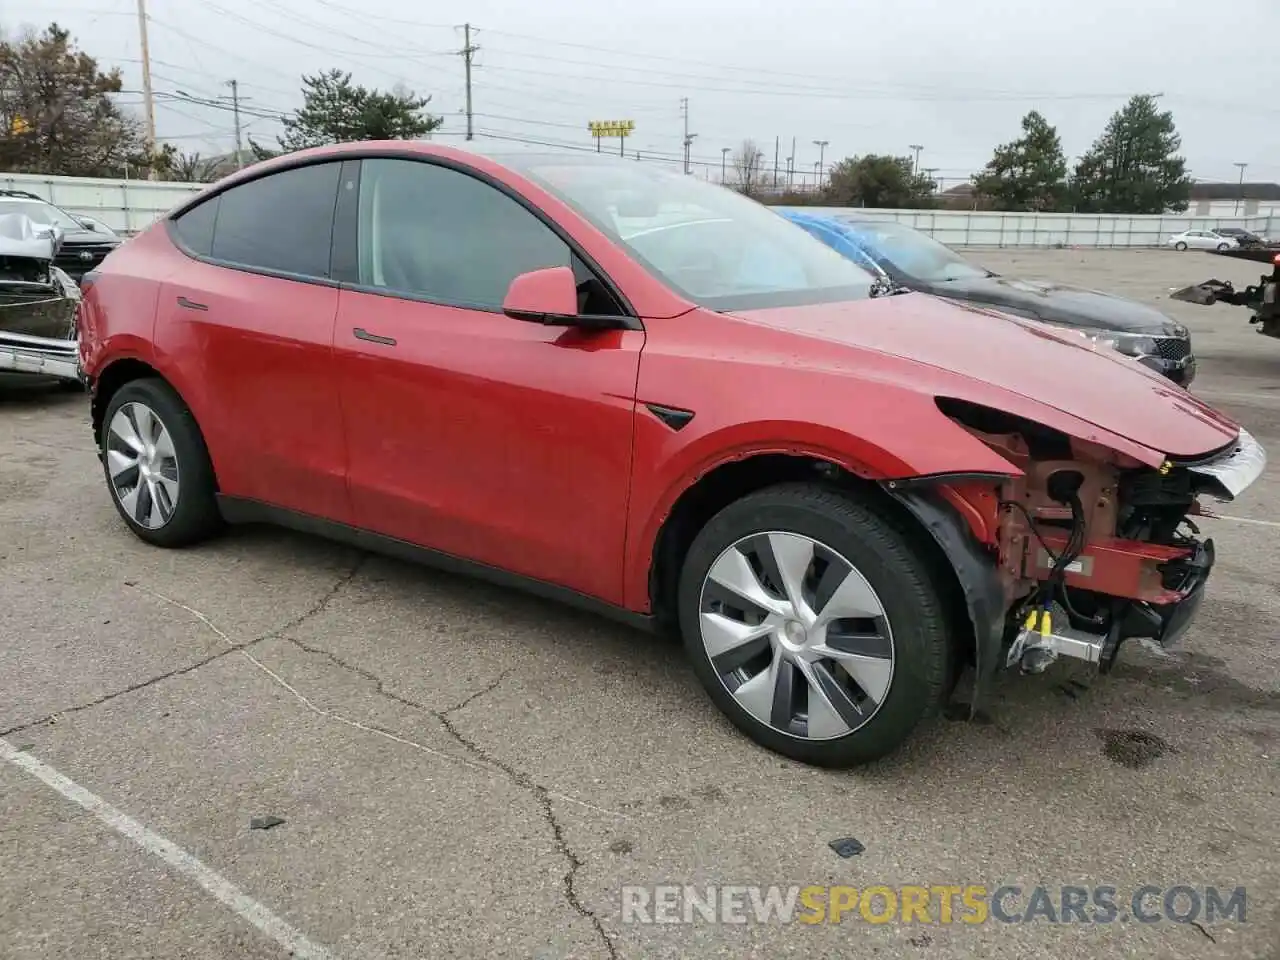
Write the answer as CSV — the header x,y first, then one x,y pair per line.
x,y
1166,623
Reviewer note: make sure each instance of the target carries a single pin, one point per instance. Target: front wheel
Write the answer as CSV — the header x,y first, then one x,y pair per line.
x,y
814,625
1180,246
1223,246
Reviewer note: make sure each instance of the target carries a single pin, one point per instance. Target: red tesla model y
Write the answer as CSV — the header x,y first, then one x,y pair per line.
x,y
613,384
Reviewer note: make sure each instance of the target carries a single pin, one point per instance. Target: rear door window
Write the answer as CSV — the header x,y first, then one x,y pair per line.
x,y
280,223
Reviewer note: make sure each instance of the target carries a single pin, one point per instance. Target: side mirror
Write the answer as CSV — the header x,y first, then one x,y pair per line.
x,y
546,296
88,223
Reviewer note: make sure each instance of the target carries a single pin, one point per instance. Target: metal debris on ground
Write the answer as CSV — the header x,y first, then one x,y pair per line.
x,y
847,847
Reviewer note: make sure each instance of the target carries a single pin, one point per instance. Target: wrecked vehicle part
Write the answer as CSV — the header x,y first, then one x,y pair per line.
x,y
1082,549
1263,297
38,303
984,592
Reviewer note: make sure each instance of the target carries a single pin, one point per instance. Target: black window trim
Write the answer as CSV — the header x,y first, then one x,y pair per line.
x,y
342,259
171,226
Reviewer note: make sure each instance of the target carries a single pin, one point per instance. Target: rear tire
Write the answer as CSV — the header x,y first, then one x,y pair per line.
x,y
843,676
1223,246
1180,246
157,467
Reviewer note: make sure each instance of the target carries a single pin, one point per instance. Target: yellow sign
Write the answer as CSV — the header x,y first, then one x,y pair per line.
x,y
611,128
19,125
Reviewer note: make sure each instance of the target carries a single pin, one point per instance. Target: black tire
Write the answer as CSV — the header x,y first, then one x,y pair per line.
x,y
1180,246
195,515
891,563
1224,246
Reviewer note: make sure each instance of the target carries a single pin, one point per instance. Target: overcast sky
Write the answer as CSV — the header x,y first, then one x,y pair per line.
x,y
954,76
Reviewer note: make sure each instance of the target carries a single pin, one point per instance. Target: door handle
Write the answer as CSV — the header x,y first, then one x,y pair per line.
x,y
191,304
363,334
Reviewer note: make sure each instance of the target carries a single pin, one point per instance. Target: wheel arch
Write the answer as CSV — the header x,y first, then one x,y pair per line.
x,y
120,373
734,479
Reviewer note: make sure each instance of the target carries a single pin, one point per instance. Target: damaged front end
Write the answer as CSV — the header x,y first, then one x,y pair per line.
x,y
1083,550
38,303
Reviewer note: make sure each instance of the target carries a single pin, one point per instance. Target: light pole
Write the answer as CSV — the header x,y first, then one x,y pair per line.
x,y
915,164
1241,197
822,150
724,155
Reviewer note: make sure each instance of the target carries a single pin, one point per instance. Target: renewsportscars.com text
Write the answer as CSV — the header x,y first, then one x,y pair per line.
x,y
970,904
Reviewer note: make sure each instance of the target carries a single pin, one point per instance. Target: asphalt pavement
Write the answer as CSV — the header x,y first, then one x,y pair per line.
x,y
458,770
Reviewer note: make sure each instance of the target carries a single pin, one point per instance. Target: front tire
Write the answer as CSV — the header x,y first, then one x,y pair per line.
x,y
1180,246
1224,246
814,624
157,467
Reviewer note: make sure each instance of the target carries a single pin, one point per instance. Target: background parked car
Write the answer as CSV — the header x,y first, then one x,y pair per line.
x,y
917,261
85,241
1202,240
38,302
1240,235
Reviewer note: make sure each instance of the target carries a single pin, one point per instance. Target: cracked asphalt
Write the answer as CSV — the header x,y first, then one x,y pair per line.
x,y
463,771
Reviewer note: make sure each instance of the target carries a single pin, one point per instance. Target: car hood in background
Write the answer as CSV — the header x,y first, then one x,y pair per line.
x,y
1057,368
1057,303
86,237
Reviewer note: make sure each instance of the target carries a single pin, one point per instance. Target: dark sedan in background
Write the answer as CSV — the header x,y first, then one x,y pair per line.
x,y
916,261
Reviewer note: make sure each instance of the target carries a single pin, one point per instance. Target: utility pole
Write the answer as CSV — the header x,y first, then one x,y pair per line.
x,y
791,162
146,86
915,164
1241,197
468,51
235,113
688,137
724,155
822,153
777,143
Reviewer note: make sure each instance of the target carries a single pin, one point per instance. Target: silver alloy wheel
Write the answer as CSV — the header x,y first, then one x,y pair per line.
x,y
797,635
143,465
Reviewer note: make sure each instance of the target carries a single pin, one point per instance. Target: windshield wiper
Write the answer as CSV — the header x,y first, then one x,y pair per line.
x,y
884,286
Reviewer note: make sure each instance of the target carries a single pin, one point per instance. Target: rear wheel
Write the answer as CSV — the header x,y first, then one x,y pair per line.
x,y
1224,246
157,467
1180,245
814,625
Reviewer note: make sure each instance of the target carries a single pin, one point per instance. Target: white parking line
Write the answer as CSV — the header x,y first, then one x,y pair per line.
x,y
209,880
1260,523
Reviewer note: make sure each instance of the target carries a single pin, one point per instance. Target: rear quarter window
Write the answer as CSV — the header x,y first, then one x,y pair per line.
x,y
195,227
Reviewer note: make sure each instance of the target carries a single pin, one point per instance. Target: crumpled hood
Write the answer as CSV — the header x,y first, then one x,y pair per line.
x,y
1050,365
1058,303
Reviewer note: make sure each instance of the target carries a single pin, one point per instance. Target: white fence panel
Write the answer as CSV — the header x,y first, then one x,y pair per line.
x,y
974,228
126,206
130,205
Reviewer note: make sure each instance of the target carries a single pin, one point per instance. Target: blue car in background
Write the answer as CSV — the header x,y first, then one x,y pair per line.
x,y
914,260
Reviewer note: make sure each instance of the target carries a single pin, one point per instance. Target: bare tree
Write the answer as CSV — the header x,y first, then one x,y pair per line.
x,y
748,168
192,168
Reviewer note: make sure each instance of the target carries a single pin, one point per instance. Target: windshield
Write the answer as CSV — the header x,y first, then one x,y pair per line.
x,y
708,243
914,254
44,213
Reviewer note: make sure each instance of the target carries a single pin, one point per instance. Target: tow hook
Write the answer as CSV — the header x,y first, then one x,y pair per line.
x,y
1038,644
